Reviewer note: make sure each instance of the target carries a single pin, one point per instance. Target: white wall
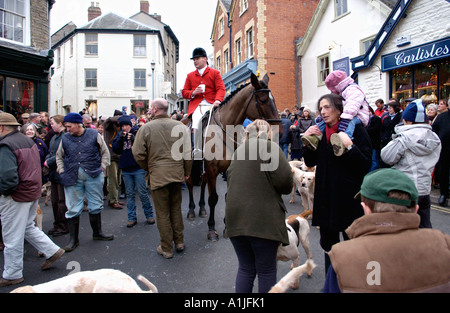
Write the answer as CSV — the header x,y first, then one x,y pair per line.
x,y
363,20
426,21
115,66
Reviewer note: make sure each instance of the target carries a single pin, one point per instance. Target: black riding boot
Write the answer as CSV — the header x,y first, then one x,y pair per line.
x,y
74,226
96,224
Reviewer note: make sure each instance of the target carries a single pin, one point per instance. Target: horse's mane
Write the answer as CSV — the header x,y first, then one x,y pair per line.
x,y
232,94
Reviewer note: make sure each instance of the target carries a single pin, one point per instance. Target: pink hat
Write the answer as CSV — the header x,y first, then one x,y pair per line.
x,y
333,79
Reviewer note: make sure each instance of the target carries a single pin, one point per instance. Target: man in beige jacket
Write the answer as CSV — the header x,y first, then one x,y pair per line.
x,y
163,148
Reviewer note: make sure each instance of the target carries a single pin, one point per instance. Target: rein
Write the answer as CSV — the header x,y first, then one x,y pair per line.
x,y
259,108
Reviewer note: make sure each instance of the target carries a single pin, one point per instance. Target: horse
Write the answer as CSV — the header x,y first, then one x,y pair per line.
x,y
253,100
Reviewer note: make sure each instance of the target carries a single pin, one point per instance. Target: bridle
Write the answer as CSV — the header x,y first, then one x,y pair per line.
x,y
261,113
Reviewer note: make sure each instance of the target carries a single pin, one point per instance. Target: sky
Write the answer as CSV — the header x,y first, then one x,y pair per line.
x,y
190,20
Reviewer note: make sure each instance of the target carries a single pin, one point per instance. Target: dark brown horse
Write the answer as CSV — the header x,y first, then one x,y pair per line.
x,y
253,101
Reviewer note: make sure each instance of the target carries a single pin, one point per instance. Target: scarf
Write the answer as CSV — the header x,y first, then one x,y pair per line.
x,y
330,131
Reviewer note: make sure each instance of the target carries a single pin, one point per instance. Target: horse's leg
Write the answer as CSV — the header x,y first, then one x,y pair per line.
x,y
202,211
191,212
212,201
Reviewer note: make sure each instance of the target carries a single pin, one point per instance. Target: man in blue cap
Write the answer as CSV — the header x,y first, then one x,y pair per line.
x,y
81,159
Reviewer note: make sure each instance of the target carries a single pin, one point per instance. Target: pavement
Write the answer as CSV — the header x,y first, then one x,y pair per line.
x,y
204,267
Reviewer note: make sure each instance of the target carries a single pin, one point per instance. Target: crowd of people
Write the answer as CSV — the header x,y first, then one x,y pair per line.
x,y
82,162
388,156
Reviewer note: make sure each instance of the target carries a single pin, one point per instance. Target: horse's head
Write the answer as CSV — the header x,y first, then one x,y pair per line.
x,y
262,104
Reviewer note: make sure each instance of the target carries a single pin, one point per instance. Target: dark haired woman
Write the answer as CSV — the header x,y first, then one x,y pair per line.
x,y
338,179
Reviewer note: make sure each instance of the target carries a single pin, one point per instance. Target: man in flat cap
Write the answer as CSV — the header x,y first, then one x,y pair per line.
x,y
20,190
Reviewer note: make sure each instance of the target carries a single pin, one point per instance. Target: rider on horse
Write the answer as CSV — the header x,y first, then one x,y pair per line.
x,y
204,87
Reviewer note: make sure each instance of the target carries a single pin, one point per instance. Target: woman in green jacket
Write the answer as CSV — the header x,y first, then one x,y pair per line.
x,y
255,213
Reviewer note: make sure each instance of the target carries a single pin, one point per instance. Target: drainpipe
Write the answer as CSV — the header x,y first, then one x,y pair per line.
x,y
230,59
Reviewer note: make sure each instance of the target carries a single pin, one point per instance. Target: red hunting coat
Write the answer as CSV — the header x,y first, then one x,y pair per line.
x,y
214,87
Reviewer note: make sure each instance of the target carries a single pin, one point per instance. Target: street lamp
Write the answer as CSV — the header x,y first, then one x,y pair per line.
x,y
153,79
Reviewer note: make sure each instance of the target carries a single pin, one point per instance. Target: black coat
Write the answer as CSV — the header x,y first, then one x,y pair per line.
x,y
338,180
387,127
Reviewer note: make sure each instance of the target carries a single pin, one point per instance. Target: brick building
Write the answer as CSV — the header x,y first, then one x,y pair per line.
x,y
25,58
260,36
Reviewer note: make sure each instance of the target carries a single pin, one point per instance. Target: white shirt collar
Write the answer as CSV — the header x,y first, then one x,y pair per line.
x,y
201,71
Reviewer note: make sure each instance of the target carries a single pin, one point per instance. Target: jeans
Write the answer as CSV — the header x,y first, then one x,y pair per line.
x,y
350,128
255,256
18,225
285,148
86,186
135,181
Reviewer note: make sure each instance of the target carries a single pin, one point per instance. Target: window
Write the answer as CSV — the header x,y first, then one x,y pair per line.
x,y
323,63
238,51
58,57
139,79
71,47
341,7
90,78
244,6
12,20
365,44
250,43
91,44
218,64
226,60
23,92
221,27
140,45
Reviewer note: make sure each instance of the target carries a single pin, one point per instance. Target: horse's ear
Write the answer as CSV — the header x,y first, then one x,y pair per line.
x,y
255,82
266,79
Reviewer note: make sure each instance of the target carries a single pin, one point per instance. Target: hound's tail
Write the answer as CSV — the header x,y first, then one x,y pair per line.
x,y
288,280
148,284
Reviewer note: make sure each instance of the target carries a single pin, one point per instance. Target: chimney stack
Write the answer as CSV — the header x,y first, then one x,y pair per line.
x,y
94,11
145,7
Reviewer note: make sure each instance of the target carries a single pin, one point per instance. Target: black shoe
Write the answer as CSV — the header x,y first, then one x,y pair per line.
x,y
443,200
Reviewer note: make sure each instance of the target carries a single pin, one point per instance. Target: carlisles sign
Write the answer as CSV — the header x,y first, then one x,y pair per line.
x,y
423,53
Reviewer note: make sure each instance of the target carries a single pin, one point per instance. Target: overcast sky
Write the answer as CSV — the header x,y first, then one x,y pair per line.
x,y
190,20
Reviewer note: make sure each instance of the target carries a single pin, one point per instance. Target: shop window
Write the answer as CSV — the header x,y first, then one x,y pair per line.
x,y
139,107
16,96
425,83
431,82
444,79
91,106
402,84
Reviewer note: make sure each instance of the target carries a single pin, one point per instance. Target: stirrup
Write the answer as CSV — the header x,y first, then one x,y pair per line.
x,y
197,154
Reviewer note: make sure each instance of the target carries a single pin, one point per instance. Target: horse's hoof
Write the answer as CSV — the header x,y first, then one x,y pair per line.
x,y
202,213
213,235
191,216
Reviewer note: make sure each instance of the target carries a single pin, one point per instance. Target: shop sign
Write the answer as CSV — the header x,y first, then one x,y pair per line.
x,y
342,65
423,53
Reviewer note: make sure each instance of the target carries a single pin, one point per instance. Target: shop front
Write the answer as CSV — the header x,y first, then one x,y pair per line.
x,y
420,72
24,80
